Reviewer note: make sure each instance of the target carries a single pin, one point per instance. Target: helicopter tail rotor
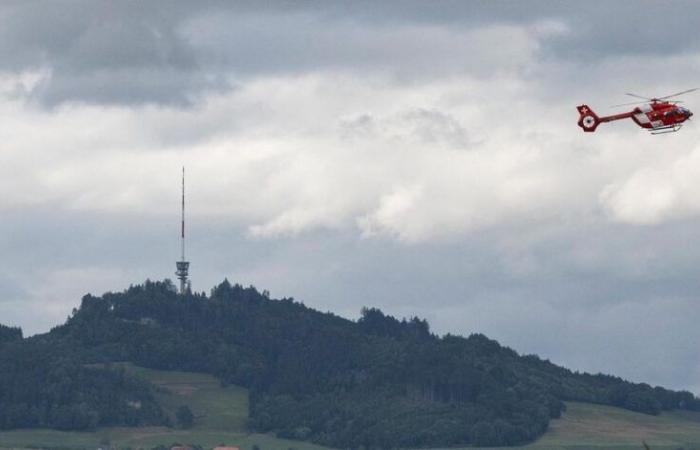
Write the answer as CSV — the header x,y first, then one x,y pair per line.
x,y
588,120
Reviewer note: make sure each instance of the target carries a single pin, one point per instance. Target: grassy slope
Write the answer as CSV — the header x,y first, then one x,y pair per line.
x,y
221,415
596,426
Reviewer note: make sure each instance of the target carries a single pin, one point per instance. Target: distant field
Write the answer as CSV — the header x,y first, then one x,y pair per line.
x,y
596,427
214,407
221,414
220,418
144,438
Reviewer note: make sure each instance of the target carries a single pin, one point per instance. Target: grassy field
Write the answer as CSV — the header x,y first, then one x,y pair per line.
x,y
220,418
587,426
221,414
597,427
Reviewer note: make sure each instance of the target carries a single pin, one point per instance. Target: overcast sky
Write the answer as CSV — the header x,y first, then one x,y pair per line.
x,y
421,157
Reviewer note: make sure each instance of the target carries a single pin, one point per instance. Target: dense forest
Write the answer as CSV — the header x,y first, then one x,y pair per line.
x,y
9,334
377,382
45,383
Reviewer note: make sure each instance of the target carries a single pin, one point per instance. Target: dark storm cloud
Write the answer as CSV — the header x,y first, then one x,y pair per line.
x,y
103,52
172,53
598,28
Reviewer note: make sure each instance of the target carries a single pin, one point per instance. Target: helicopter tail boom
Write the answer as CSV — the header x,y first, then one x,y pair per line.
x,y
589,120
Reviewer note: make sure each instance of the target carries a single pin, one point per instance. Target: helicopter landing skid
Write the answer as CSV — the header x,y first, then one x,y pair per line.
x,y
667,129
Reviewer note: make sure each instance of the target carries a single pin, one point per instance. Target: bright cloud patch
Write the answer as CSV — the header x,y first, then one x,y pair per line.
x,y
652,195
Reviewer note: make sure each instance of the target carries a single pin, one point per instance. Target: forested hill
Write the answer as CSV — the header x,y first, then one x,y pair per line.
x,y
377,382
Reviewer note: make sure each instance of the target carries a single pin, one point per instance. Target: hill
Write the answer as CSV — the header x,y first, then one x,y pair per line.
x,y
377,382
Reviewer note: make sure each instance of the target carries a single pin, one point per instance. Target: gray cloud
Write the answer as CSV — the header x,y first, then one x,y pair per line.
x,y
431,127
174,53
104,52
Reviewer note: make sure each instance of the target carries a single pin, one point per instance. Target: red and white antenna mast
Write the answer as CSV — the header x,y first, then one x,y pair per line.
x,y
182,265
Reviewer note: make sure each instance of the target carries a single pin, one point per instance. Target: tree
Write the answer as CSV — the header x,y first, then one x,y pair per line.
x,y
9,334
184,417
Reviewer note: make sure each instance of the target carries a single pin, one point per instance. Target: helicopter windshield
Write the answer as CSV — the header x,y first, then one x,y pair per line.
x,y
685,112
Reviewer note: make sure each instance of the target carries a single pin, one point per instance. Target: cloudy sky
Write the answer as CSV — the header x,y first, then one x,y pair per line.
x,y
422,157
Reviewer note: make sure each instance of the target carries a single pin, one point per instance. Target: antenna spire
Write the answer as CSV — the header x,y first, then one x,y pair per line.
x,y
182,228
182,265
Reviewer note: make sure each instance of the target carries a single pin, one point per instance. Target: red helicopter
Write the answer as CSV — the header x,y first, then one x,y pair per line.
x,y
658,115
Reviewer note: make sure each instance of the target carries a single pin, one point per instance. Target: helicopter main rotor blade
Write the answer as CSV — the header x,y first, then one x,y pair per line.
x,y
639,96
627,104
679,93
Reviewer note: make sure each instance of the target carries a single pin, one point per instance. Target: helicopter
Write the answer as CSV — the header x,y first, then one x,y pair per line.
x,y
659,115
